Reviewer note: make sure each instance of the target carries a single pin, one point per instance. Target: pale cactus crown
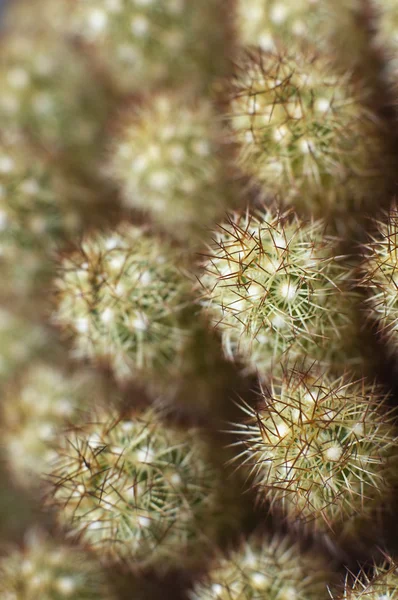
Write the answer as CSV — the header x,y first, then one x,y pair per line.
x,y
136,488
274,290
303,133
321,448
167,162
272,568
122,298
45,569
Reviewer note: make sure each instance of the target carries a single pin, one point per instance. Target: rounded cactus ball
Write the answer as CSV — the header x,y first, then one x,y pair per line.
x,y
322,448
137,489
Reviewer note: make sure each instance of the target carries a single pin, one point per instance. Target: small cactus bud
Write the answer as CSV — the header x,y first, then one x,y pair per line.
x,y
321,448
303,133
122,297
382,585
136,488
166,160
47,570
271,568
273,289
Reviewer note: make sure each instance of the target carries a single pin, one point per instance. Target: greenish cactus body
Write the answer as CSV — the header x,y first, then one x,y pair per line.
x,y
274,289
137,489
383,585
167,162
271,568
48,570
141,43
321,448
302,131
123,298
38,405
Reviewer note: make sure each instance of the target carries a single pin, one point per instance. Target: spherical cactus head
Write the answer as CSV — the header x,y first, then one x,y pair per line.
x,y
274,290
320,448
380,278
167,162
42,568
298,126
271,568
381,584
122,297
137,489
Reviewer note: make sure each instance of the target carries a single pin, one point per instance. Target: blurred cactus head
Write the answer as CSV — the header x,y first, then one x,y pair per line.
x,y
122,297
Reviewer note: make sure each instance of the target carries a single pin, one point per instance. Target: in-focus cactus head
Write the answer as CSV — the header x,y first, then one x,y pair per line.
x,y
302,132
381,585
271,568
45,569
122,297
273,289
168,164
137,489
321,448
380,277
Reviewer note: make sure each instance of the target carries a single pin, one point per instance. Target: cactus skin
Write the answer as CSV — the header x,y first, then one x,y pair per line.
x,y
386,24
167,162
142,44
383,585
122,297
320,447
271,568
48,570
136,489
273,290
302,132
49,93
380,278
37,406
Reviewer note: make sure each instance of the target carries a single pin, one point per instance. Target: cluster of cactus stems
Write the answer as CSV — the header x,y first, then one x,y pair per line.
x,y
199,299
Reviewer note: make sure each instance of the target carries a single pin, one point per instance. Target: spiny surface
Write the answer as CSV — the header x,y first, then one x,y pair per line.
x,y
43,569
380,277
269,568
37,406
382,585
322,448
273,289
302,132
122,298
167,162
136,488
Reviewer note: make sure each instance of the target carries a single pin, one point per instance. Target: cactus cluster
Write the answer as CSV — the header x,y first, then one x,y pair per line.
x,y
199,299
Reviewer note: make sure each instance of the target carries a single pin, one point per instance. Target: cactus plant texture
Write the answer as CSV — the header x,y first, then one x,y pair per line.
x,y
320,447
303,132
198,299
274,288
136,489
273,568
43,569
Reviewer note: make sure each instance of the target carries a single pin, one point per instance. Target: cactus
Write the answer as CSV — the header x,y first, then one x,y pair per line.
x,y
274,288
271,568
382,585
122,296
37,407
379,276
167,163
48,570
304,133
136,489
320,447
